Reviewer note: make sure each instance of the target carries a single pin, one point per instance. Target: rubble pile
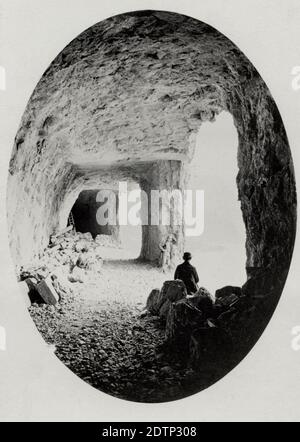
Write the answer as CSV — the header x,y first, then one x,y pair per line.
x,y
103,339
216,331
71,257
196,326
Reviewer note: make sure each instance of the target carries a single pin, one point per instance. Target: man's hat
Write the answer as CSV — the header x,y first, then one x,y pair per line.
x,y
187,256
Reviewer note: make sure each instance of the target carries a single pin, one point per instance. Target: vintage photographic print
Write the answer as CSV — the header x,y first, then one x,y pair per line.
x,y
152,207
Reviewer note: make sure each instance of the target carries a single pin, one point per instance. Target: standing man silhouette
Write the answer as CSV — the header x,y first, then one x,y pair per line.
x,y
188,274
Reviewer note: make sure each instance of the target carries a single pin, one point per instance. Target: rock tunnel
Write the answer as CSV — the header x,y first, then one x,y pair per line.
x,y
125,101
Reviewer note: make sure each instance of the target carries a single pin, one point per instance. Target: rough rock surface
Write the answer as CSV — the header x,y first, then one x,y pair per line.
x,y
70,255
153,302
228,291
132,92
218,333
203,301
159,301
182,319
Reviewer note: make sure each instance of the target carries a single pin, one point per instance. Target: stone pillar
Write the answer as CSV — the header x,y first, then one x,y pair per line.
x,y
163,176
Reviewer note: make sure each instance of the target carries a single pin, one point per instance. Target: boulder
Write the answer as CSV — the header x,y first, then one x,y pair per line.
x,y
159,301
173,291
227,297
183,318
152,302
47,291
78,275
228,301
164,310
228,291
203,301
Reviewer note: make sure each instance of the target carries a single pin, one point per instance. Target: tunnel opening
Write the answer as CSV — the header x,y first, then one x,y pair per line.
x,y
97,213
123,242
220,251
84,216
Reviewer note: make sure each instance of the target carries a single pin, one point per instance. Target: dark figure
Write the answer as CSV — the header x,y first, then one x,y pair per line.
x,y
188,274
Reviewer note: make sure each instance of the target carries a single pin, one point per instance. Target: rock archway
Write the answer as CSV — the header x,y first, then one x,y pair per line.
x,y
130,92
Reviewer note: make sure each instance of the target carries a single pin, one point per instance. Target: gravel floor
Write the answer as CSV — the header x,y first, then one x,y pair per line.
x,y
99,335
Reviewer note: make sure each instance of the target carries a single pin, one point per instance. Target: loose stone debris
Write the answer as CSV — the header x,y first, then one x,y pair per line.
x,y
96,328
212,334
150,350
71,255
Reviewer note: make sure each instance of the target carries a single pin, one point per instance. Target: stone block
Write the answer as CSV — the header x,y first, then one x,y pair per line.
x,y
47,291
152,302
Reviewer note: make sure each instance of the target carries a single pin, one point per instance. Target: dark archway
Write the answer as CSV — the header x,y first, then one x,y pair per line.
x,y
84,213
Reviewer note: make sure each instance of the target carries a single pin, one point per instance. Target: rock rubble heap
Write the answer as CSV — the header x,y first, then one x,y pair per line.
x,y
71,257
203,329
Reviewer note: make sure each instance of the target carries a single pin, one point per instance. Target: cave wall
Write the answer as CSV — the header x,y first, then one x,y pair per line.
x,y
134,88
265,182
